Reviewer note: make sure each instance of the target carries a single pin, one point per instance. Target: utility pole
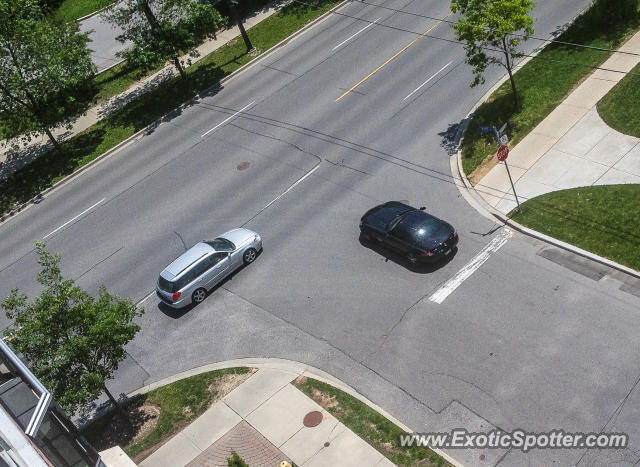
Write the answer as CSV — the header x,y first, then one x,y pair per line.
x,y
238,21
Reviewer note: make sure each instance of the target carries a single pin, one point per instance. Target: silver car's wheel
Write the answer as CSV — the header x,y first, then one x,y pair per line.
x,y
249,256
198,295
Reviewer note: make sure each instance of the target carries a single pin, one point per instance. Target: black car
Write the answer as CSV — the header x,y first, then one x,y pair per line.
x,y
419,236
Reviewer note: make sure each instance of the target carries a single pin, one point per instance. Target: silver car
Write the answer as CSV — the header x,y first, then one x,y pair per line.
x,y
189,278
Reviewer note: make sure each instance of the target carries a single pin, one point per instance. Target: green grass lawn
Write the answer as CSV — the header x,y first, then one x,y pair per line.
x,y
151,106
600,219
369,425
179,404
542,84
620,108
74,9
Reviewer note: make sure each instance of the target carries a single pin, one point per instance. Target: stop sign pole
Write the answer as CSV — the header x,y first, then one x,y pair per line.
x,y
503,152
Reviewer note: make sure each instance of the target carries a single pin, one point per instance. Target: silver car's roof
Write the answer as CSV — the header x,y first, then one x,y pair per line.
x,y
187,258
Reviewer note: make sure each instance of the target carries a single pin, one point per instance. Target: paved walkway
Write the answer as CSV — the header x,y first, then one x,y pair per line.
x,y
262,420
572,147
17,152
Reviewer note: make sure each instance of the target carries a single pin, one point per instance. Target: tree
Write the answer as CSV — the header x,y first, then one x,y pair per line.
x,y
162,30
73,341
488,25
45,70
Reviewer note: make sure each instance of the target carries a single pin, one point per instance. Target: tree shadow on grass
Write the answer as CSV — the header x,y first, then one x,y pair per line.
x,y
109,429
28,182
496,112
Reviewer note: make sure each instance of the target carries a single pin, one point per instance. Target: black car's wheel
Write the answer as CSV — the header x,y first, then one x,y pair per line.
x,y
199,295
249,256
413,259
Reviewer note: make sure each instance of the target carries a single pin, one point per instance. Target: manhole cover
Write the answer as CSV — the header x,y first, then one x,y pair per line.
x,y
312,419
243,166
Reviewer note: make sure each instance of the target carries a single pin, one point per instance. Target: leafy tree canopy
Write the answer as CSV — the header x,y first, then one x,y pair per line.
x,y
45,70
73,341
159,30
486,27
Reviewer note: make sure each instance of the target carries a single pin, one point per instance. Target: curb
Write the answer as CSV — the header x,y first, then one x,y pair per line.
x,y
299,369
480,204
488,211
97,12
36,199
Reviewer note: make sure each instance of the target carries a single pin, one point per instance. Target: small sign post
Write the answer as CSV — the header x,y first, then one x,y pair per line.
x,y
503,152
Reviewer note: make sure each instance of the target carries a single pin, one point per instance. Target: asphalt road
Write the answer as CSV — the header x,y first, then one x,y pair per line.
x,y
524,342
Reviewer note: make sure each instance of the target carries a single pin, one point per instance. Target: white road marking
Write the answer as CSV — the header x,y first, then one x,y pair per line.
x,y
69,222
351,37
472,266
291,187
423,84
227,119
146,298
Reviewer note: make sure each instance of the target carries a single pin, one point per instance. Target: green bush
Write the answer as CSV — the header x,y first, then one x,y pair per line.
x,y
236,461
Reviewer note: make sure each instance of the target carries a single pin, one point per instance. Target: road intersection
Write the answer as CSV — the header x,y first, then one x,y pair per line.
x,y
521,342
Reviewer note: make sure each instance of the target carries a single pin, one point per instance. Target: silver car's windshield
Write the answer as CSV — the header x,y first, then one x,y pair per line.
x,y
221,244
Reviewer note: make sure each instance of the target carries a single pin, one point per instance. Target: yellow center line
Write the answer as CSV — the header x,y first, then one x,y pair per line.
x,y
398,53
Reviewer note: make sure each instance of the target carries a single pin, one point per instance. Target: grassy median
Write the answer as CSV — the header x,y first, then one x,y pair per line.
x,y
68,10
368,424
542,84
159,414
620,108
151,106
600,219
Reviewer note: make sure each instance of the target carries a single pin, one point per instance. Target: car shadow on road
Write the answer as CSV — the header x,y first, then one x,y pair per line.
x,y
390,255
176,314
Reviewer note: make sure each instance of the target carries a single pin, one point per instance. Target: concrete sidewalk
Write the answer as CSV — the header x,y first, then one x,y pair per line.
x,y
17,152
262,420
572,146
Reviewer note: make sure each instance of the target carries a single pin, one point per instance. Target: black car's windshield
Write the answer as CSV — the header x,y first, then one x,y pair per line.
x,y
398,219
221,244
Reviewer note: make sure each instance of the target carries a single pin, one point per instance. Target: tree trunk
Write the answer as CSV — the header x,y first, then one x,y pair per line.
x,y
238,21
176,62
123,414
52,139
155,26
509,65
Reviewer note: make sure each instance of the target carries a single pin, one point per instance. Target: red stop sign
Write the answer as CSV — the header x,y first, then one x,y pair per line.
x,y
503,152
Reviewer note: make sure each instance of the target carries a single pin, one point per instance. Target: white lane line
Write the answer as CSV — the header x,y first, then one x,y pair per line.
x,y
423,84
146,298
69,222
227,119
291,187
351,37
471,267
296,183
